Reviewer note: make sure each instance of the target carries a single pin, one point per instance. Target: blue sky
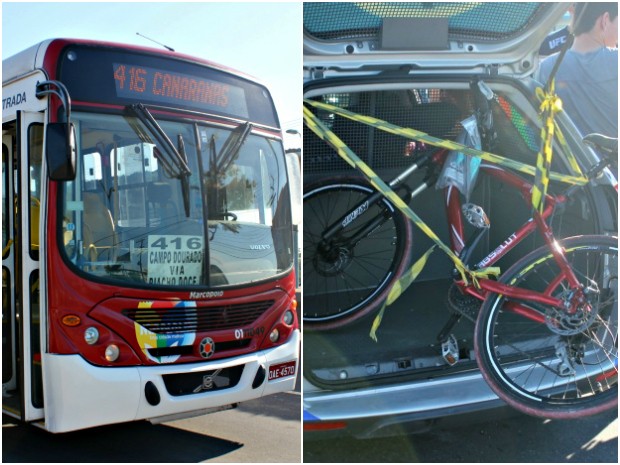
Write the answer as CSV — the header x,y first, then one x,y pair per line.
x,y
262,39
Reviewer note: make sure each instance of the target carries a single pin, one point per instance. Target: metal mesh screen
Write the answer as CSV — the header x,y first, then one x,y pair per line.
x,y
473,20
434,111
428,110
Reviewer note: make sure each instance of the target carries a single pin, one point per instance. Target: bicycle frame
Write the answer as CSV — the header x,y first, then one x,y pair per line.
x,y
537,222
456,227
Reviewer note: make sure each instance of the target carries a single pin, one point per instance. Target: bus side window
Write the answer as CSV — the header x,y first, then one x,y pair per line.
x,y
6,234
35,157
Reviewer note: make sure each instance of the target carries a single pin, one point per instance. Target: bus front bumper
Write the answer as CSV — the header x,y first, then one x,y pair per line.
x,y
79,395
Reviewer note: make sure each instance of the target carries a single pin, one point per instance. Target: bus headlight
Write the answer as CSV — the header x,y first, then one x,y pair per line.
x,y
288,318
111,353
91,335
274,335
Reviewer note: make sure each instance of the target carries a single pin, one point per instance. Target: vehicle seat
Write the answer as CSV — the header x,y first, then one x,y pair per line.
x,y
100,241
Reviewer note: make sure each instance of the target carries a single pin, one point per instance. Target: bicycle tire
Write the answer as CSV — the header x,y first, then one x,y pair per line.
x,y
340,290
556,369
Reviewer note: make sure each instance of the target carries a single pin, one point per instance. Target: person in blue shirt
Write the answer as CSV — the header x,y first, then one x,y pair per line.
x,y
587,78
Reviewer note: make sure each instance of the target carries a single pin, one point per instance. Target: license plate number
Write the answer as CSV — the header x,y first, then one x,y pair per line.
x,y
281,370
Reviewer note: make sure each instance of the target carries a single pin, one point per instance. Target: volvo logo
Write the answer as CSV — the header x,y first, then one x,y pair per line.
x,y
206,347
260,246
207,382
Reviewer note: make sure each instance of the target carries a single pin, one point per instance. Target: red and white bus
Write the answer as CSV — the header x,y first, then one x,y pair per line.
x,y
147,266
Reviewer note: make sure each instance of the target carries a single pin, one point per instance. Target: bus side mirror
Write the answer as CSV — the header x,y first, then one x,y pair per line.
x,y
60,151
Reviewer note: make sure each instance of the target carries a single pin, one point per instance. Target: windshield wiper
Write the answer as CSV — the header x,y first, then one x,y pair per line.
x,y
184,178
220,162
174,160
171,156
231,146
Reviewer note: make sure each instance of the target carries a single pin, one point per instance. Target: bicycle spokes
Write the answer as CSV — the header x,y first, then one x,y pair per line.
x,y
559,361
348,267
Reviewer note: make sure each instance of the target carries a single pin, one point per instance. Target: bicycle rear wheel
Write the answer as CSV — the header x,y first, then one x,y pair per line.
x,y
348,276
561,366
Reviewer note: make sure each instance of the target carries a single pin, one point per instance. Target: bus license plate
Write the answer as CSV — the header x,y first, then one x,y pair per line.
x,y
281,370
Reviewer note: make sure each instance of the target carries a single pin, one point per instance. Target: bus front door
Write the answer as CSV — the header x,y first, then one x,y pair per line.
x,y
22,152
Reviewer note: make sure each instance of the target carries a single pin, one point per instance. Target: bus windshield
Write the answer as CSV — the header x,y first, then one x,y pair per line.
x,y
132,215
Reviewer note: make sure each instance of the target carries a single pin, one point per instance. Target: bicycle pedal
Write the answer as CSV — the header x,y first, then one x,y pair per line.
x,y
450,350
475,215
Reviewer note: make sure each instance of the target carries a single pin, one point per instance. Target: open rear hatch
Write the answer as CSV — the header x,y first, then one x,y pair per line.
x,y
358,57
440,36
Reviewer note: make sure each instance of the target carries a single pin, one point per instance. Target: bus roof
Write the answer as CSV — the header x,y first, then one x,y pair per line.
x,y
22,62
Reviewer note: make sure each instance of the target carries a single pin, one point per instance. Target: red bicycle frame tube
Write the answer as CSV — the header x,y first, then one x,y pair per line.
x,y
455,219
455,223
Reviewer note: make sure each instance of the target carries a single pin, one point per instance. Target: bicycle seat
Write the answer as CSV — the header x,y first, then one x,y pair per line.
x,y
603,143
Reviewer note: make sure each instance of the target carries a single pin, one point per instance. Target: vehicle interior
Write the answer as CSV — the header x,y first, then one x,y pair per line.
x,y
407,340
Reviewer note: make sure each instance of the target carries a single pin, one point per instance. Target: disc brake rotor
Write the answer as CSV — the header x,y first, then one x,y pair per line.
x,y
565,323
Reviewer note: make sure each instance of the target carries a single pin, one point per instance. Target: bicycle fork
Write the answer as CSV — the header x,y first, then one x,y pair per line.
x,y
354,215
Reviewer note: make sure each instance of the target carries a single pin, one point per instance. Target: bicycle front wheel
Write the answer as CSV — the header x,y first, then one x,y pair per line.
x,y
545,361
349,275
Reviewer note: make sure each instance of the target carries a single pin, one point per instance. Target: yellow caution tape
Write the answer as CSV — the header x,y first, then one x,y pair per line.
x,y
550,105
316,126
414,134
398,288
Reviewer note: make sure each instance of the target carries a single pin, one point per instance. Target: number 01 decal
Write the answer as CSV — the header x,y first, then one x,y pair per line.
x,y
175,260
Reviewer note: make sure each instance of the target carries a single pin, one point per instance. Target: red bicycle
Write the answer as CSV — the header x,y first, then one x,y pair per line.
x,y
546,329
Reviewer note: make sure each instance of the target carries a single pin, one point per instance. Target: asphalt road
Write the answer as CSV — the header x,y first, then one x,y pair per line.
x,y
262,430
515,439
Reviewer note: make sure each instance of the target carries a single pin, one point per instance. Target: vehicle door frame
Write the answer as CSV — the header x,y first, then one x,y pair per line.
x,y
27,315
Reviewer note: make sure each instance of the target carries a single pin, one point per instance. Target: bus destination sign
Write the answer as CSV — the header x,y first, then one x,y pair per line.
x,y
166,87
